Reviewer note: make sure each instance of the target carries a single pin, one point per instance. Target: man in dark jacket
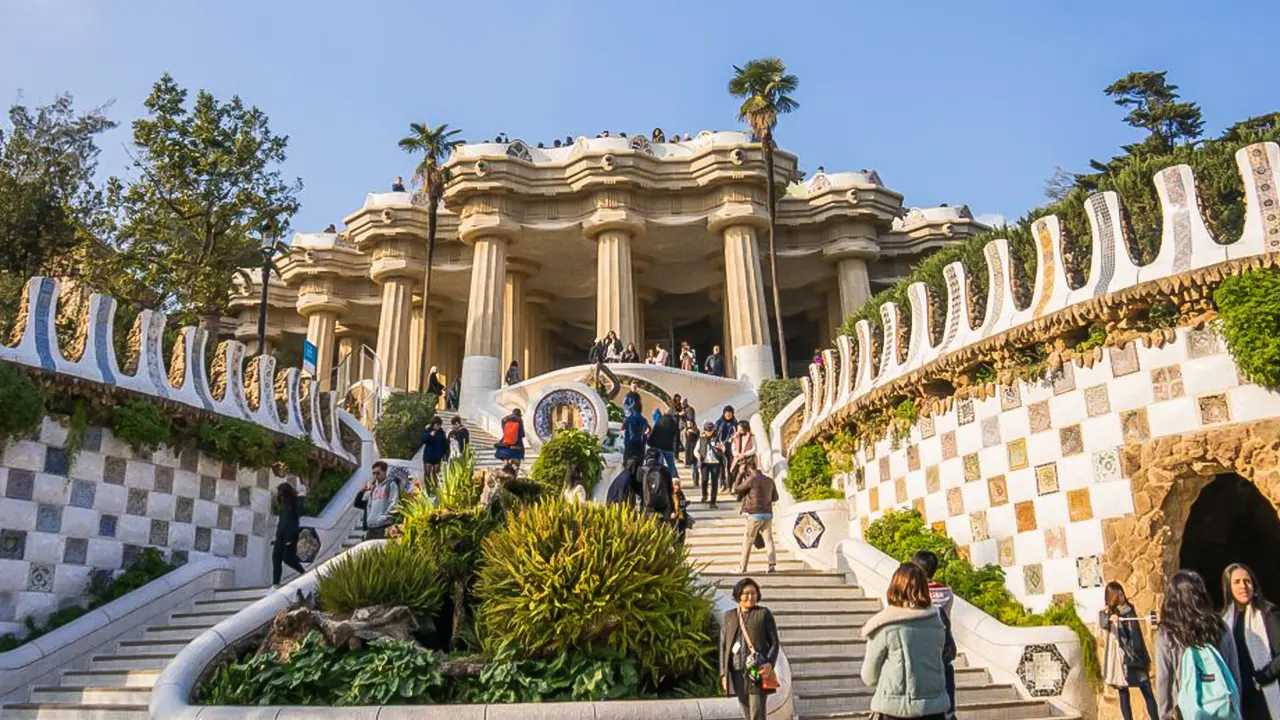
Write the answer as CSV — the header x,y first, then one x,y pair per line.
x,y
435,447
663,439
758,494
714,364
943,598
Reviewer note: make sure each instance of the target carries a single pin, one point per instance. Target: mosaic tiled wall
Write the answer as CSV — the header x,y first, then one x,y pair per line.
x,y
1024,479
62,522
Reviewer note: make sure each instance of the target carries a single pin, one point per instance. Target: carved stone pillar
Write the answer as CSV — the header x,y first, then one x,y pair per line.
x,y
744,300
615,285
536,303
320,327
855,284
514,323
835,316
450,344
481,366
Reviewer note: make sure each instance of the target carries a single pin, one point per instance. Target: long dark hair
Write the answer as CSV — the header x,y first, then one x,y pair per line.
x,y
1187,618
1257,601
1115,596
286,492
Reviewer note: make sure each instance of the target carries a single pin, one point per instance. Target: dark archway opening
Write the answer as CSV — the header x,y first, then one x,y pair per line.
x,y
1230,522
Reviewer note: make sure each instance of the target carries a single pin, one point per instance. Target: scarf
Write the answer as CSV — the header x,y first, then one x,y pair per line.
x,y
1255,636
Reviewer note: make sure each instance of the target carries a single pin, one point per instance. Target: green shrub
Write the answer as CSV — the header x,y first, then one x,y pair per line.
x,y
586,578
322,491
239,442
900,534
564,450
396,574
404,417
809,474
565,677
141,424
297,455
23,404
1249,304
775,393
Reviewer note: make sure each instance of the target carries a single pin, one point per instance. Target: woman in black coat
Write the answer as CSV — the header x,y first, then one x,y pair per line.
x,y
736,662
1120,619
1255,625
285,549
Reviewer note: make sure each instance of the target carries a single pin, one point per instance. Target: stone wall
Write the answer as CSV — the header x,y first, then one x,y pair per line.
x,y
63,521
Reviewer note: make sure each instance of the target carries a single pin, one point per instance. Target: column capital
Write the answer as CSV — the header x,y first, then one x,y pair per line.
x,y
731,214
522,266
859,248
312,304
616,219
451,327
437,302
488,227
540,298
646,295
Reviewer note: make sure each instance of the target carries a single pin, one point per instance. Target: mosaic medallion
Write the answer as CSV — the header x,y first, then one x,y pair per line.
x,y
556,398
1042,670
808,530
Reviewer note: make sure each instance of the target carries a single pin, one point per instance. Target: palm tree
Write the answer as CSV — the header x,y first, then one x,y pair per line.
x,y
764,84
435,144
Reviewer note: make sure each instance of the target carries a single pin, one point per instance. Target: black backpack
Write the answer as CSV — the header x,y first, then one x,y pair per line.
x,y
655,486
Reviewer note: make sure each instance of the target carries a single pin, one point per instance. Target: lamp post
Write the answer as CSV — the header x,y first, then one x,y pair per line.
x,y
270,247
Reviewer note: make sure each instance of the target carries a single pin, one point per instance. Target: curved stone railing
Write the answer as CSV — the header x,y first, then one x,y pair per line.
x,y
172,693
1043,662
849,372
284,402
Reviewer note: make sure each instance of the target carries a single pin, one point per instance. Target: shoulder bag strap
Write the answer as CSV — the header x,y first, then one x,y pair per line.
x,y
745,635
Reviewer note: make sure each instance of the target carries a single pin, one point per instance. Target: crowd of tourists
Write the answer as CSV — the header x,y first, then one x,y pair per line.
x,y
611,349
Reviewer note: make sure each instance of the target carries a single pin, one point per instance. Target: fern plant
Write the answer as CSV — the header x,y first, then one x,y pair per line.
x,y
396,574
569,448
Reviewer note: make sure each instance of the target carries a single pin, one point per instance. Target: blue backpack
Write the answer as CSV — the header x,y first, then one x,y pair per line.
x,y
1206,689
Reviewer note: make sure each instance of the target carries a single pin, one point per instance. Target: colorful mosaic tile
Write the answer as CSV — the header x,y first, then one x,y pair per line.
x,y
1033,576
136,503
183,509
1202,343
1038,416
932,479
939,527
1025,513
1017,454
978,525
1047,478
20,485
204,537
1214,409
900,490
224,517
1079,506
998,491
164,480
913,457
1071,439
948,445
107,525
972,469
1004,552
1106,465
1089,571
1096,401
1134,427
1124,360
75,551
991,431
40,578
13,544
83,493
208,487
873,499
1055,543
49,518
1166,383
964,411
228,472
1010,396
1064,380
926,427
113,470
955,502
56,460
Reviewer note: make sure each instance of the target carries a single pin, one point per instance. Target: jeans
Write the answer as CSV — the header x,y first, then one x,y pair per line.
x,y
950,676
757,527
669,457
1126,711
286,553
710,476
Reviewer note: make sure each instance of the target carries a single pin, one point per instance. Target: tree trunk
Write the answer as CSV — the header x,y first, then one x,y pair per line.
x,y
773,255
433,205
459,612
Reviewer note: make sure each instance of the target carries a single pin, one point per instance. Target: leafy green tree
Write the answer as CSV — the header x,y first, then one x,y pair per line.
x,y
435,144
207,187
765,86
1155,106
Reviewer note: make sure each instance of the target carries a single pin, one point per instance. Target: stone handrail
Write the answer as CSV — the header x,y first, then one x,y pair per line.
x,y
1002,649
53,651
228,387
173,690
850,373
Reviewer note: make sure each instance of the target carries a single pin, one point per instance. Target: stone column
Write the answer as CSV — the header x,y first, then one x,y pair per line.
x,y
449,341
394,331
536,303
481,365
744,300
855,284
417,356
835,316
726,338
415,347
320,327
615,285
514,309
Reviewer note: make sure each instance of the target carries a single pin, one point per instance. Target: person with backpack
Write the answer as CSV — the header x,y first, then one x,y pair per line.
x,y
379,499
1126,663
655,486
1197,671
635,431
942,598
710,456
903,659
758,494
285,549
510,448
666,429
749,647
680,510
1255,627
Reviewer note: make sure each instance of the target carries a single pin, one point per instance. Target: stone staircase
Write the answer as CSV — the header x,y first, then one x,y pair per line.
x,y
116,684
820,621
482,443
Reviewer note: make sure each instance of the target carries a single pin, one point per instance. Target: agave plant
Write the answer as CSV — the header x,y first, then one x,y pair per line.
x,y
396,574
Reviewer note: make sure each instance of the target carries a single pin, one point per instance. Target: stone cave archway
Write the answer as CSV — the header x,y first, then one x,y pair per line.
x,y
1230,521
1167,475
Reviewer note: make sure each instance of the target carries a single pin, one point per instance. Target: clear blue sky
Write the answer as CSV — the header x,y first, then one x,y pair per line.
x,y
972,102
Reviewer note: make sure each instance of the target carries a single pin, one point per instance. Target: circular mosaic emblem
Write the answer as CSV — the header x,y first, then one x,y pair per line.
x,y
808,530
542,423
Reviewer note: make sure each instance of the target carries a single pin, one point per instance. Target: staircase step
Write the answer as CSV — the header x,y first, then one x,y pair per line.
x,y
801,619
840,633
73,711
133,661
845,652
809,684
186,632
1011,710
91,695
220,605
187,617
151,645
790,578
824,606
111,678
246,593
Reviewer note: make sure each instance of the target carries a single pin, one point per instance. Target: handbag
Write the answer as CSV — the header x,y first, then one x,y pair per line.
x,y
758,543
768,678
